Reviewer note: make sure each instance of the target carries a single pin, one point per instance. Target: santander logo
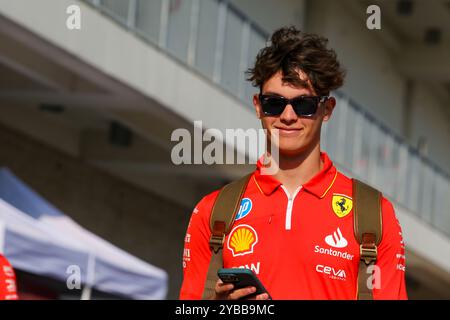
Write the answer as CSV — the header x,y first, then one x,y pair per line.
x,y
336,240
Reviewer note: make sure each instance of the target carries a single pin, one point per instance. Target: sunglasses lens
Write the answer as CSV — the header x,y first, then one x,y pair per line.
x,y
305,106
273,106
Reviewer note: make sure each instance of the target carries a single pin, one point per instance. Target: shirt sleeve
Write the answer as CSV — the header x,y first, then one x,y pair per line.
x,y
8,289
389,277
196,253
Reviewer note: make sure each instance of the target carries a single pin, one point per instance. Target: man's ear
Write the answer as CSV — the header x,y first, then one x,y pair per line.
x,y
257,105
329,107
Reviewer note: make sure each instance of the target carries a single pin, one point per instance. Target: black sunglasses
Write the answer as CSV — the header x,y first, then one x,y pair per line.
x,y
304,106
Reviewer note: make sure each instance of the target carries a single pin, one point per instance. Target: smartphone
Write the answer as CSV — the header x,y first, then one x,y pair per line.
x,y
242,278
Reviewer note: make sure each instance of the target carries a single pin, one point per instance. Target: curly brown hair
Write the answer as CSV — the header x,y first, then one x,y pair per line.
x,y
291,50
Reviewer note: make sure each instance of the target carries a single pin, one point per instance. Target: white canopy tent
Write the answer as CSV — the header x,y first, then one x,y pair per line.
x,y
37,238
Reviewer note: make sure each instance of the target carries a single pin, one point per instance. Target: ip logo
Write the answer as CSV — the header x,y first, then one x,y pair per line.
x,y
244,209
73,21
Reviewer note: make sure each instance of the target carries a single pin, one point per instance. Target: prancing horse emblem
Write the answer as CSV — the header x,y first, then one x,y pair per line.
x,y
342,205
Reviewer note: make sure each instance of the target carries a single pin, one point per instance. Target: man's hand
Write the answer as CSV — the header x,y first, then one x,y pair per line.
x,y
224,291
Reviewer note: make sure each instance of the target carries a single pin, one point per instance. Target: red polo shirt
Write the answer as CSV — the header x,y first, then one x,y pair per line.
x,y
8,290
301,246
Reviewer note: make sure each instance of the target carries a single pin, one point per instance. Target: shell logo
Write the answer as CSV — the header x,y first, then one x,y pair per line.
x,y
242,240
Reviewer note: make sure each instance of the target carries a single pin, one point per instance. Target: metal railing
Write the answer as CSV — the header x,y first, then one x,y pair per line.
x,y
218,41
211,36
368,150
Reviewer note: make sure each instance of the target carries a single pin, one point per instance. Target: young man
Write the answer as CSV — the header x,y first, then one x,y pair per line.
x,y
296,228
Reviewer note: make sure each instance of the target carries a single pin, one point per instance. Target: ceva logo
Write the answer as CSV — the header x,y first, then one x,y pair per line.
x,y
336,239
338,274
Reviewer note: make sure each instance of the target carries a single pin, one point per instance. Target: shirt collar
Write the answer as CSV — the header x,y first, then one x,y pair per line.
x,y
319,185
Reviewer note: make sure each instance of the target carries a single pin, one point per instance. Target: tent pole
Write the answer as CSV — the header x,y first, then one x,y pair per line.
x,y
86,294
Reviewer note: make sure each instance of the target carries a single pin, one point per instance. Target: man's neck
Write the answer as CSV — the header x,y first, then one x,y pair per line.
x,y
295,171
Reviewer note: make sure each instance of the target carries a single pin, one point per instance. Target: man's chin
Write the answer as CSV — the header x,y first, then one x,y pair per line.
x,y
291,151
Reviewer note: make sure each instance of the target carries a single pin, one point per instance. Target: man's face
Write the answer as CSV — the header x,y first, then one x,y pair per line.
x,y
296,134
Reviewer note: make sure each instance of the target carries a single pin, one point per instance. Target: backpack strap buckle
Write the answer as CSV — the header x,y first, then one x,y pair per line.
x,y
217,236
368,249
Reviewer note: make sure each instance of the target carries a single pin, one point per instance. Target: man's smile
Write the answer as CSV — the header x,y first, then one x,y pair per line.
x,y
288,131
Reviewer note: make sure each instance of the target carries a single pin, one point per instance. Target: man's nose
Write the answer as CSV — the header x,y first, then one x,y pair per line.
x,y
288,114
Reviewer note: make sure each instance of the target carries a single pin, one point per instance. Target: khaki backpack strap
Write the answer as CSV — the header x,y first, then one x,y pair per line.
x,y
222,218
368,230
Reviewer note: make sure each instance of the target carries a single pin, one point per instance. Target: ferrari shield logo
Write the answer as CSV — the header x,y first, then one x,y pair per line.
x,y
342,205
